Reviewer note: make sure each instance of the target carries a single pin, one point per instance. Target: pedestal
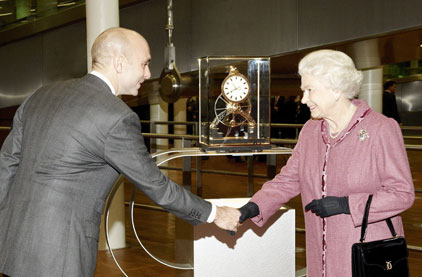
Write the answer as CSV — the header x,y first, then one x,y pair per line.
x,y
253,251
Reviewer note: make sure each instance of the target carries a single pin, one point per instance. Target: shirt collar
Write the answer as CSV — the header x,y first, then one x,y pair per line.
x,y
104,78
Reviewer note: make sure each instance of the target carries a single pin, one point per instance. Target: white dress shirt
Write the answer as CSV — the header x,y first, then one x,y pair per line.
x,y
104,78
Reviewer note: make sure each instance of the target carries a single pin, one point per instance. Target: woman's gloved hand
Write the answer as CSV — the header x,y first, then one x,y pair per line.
x,y
328,206
249,210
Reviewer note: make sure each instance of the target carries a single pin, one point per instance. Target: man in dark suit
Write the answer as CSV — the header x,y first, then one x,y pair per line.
x,y
389,103
68,144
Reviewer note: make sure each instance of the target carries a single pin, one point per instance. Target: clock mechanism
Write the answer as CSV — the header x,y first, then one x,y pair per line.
x,y
233,107
234,100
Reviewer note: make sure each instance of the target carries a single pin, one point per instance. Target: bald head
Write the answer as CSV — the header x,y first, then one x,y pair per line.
x,y
114,41
123,56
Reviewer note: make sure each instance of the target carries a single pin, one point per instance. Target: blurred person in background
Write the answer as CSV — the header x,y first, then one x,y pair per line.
x,y
389,103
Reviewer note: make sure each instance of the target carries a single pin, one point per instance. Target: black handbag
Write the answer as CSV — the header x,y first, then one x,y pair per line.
x,y
387,257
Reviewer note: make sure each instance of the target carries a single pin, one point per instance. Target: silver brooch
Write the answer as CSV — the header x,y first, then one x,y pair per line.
x,y
363,134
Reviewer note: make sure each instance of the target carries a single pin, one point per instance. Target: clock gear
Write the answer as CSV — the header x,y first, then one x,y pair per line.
x,y
233,106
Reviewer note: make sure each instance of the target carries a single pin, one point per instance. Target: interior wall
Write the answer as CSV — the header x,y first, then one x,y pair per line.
x,y
328,21
28,64
203,28
20,70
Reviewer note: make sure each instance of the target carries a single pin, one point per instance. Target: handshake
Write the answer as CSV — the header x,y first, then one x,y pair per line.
x,y
230,218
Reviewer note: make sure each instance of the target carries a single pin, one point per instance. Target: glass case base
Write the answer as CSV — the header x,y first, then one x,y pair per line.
x,y
235,148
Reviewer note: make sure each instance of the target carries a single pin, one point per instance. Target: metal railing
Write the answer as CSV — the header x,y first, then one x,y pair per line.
x,y
297,127
274,141
186,140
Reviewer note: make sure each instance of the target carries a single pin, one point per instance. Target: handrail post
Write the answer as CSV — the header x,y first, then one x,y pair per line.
x,y
196,128
153,141
250,176
271,166
187,166
199,176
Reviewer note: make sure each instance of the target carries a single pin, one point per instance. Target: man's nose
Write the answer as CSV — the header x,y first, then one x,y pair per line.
x,y
147,73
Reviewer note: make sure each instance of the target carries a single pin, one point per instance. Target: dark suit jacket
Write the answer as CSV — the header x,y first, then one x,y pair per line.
x,y
389,106
68,144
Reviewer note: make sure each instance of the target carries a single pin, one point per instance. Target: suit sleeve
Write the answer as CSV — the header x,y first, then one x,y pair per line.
x,y
10,154
396,193
125,150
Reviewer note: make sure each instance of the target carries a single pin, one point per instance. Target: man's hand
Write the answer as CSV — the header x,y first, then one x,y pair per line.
x,y
227,218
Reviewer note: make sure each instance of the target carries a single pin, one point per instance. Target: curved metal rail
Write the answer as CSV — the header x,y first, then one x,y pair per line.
x,y
107,212
174,154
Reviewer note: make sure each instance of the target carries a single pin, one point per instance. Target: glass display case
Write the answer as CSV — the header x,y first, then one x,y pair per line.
x,y
234,110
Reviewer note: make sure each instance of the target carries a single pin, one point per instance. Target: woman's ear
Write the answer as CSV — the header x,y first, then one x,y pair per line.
x,y
337,94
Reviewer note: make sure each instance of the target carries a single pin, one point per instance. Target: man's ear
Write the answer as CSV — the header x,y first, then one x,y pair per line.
x,y
118,63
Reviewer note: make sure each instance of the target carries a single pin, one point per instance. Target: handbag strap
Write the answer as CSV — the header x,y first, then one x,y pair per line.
x,y
364,226
391,227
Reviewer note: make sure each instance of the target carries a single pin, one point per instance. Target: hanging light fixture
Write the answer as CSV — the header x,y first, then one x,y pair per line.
x,y
170,78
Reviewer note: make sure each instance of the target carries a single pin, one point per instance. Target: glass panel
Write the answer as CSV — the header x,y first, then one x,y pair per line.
x,y
235,98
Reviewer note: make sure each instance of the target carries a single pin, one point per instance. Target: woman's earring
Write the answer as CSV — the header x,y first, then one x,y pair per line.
x,y
336,94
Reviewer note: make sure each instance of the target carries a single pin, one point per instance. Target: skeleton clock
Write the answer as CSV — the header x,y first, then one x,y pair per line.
x,y
234,103
233,106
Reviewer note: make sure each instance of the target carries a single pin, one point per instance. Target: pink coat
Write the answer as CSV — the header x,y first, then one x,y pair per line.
x,y
371,159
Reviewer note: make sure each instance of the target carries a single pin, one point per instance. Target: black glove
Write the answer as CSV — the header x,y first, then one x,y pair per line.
x,y
328,206
248,210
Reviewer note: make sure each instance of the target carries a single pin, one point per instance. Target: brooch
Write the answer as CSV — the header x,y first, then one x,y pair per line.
x,y
363,134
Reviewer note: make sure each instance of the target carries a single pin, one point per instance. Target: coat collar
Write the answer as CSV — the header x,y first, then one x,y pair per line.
x,y
104,78
96,83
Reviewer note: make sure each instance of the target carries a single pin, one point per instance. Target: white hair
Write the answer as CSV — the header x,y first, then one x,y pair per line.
x,y
333,68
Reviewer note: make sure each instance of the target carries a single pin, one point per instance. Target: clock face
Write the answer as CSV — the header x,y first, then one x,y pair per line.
x,y
235,87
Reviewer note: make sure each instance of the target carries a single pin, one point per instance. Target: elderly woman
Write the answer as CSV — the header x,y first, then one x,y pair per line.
x,y
344,154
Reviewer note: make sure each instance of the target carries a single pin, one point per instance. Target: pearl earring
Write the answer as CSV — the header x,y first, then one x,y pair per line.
x,y
337,96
